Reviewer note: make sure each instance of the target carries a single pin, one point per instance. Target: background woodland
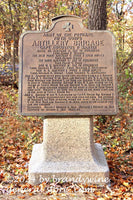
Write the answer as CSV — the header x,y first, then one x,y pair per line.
x,y
18,133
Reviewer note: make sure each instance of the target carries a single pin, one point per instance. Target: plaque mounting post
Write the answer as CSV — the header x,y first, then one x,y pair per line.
x,y
68,153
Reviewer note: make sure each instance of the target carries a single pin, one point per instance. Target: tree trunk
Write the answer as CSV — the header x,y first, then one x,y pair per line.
x,y
13,37
38,19
97,15
97,20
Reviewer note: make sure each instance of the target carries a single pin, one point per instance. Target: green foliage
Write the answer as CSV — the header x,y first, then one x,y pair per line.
x,y
128,73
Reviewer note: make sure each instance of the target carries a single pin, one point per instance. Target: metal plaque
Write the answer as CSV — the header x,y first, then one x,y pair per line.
x,y
67,70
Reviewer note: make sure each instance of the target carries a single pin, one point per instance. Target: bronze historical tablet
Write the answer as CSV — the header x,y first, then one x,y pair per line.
x,y
67,70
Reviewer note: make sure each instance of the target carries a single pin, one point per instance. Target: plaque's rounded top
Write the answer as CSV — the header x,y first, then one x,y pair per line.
x,y
66,17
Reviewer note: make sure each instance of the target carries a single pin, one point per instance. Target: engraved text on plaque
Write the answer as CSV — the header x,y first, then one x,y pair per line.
x,y
68,70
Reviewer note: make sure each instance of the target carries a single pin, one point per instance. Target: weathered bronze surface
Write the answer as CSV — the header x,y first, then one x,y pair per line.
x,y
67,70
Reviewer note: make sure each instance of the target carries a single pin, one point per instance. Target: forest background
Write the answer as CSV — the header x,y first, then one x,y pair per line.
x,y
18,133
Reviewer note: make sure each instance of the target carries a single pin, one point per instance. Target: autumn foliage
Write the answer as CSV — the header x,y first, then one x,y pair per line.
x,y
18,134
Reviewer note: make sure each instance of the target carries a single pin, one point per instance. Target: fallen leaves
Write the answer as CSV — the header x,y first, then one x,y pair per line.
x,y
18,134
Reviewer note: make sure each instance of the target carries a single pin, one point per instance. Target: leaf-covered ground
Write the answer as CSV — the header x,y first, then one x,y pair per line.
x,y
18,134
